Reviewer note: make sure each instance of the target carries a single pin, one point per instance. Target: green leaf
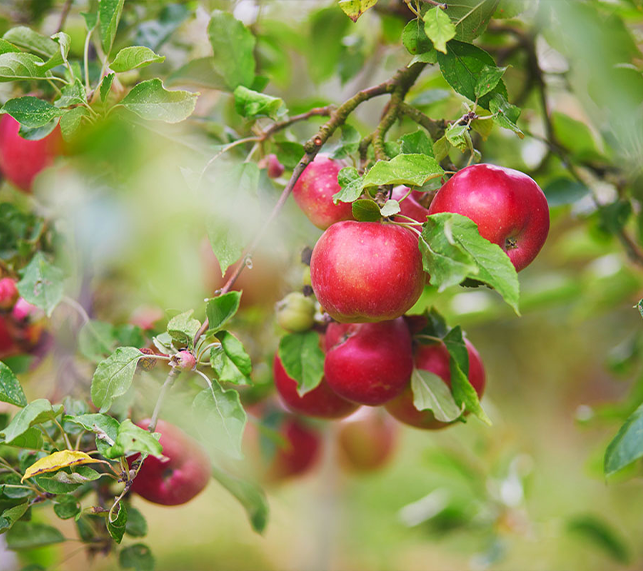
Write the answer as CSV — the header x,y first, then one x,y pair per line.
x,y
36,412
471,17
105,427
251,497
365,210
183,328
66,507
390,208
226,243
91,20
138,557
37,133
7,47
113,376
96,340
233,45
614,216
116,526
134,57
151,101
627,445
417,143
324,42
489,78
109,15
60,56
458,136
640,306
576,137
106,85
463,392
220,418
411,170
31,439
230,361
199,72
11,515
462,66
562,191
136,523
72,121
32,41
438,28
25,535
302,359
72,94
348,143
599,533
131,439
252,104
430,392
221,309
10,388
42,284
505,114
14,66
415,39
351,185
155,32
452,250
31,111
355,8
289,153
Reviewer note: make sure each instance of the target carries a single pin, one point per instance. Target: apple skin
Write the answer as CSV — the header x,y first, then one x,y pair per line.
x,y
366,441
370,363
275,168
8,348
321,402
508,206
366,271
435,358
8,293
22,160
314,192
178,478
300,453
409,206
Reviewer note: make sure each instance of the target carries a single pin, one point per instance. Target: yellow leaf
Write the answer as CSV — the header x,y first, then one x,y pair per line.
x,y
58,460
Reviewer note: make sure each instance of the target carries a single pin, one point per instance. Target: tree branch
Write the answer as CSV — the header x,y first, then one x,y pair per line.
x,y
435,128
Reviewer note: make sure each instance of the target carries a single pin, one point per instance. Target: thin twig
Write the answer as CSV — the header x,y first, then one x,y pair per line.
x,y
63,15
169,381
435,128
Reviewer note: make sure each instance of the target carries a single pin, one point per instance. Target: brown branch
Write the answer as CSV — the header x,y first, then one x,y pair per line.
x,y
315,112
435,128
63,15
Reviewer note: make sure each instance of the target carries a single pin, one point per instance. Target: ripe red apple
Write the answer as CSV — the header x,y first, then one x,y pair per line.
x,y
300,453
178,477
409,206
314,192
271,162
435,358
321,402
370,363
8,347
507,205
8,293
22,160
366,271
366,440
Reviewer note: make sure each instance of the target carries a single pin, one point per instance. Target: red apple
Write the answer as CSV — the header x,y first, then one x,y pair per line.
x,y
182,473
8,293
314,192
366,271
300,453
366,440
8,347
409,206
321,402
434,358
271,162
370,363
22,160
507,205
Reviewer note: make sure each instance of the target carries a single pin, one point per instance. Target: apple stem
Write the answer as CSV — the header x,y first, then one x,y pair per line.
x,y
169,381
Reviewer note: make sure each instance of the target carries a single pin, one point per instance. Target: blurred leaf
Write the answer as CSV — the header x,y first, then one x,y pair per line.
x,y
25,535
11,516
417,143
10,388
412,170
640,306
349,142
576,137
251,497
109,15
251,104
199,72
430,392
302,359
324,47
355,8
58,460
183,328
31,112
42,284
452,250
439,28
32,41
221,309
233,46
136,523
230,361
66,507
614,216
36,412
96,340
72,121
113,376
562,191
627,445
154,33
151,101
415,39
131,439
599,533
510,8
116,527
351,185
134,57
289,153
220,418
366,210
226,244
138,557
471,17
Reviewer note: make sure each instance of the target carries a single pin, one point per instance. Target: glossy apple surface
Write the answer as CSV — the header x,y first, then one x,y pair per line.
x,y
178,477
22,160
366,271
370,363
314,192
300,452
409,206
321,402
508,206
434,358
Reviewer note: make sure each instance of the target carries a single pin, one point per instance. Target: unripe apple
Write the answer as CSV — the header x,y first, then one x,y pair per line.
x,y
366,440
299,454
366,271
183,361
314,192
296,312
8,293
409,206
271,162
22,160
507,205
147,317
321,402
435,359
177,477
370,363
